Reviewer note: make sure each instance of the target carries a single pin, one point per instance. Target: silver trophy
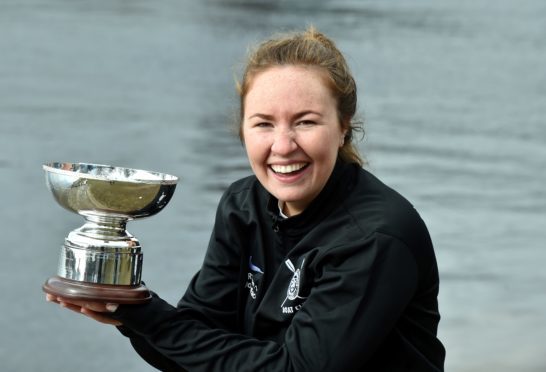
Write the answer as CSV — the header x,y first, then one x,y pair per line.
x,y
101,261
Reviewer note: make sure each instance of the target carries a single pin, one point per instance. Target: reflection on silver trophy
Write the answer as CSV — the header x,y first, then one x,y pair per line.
x,y
101,260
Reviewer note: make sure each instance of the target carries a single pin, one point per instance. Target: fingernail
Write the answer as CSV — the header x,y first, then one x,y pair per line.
x,y
111,307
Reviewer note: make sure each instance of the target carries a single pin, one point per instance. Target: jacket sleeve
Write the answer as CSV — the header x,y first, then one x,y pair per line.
x,y
149,353
359,292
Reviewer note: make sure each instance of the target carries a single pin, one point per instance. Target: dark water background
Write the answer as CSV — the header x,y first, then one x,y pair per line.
x,y
454,97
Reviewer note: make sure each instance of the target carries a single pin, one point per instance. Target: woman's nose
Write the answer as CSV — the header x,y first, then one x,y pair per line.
x,y
284,142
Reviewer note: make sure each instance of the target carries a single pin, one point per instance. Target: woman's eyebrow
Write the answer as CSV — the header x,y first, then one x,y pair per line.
x,y
306,112
295,116
261,116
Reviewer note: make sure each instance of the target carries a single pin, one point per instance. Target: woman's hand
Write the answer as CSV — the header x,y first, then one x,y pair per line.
x,y
94,310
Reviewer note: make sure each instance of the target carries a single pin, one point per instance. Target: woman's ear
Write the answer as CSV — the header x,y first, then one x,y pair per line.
x,y
342,139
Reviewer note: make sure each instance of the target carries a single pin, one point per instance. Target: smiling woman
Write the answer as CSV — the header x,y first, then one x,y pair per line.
x,y
292,133
313,264
315,51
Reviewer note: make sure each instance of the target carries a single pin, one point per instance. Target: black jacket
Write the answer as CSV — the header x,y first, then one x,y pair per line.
x,y
350,284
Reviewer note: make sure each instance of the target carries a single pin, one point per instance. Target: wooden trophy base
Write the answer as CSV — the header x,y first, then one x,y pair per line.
x,y
84,291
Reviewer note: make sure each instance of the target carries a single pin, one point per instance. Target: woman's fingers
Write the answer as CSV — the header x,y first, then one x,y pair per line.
x,y
96,306
69,306
51,298
92,309
99,317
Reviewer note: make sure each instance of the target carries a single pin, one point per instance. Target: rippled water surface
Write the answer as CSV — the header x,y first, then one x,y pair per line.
x,y
454,98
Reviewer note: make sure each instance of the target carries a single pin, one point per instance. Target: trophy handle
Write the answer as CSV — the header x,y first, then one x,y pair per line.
x,y
85,291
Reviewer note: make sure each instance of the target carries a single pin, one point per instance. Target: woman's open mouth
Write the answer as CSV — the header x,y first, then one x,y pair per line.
x,y
288,170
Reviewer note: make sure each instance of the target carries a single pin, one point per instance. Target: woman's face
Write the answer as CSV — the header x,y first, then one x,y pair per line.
x,y
292,133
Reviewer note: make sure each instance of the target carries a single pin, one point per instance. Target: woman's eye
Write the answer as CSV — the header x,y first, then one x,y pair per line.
x,y
306,122
263,125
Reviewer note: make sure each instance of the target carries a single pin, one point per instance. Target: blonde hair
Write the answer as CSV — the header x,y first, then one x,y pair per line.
x,y
314,49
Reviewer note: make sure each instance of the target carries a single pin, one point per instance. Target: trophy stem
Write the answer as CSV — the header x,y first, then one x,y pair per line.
x,y
97,226
101,252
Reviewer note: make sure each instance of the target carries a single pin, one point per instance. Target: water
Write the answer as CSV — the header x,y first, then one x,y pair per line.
x,y
454,98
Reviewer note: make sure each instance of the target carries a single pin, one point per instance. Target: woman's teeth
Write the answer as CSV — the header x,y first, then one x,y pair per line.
x,y
287,168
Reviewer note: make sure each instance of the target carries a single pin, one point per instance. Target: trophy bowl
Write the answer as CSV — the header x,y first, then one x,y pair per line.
x,y
101,261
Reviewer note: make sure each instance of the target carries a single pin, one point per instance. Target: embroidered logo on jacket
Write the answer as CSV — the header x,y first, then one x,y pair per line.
x,y
293,289
252,287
